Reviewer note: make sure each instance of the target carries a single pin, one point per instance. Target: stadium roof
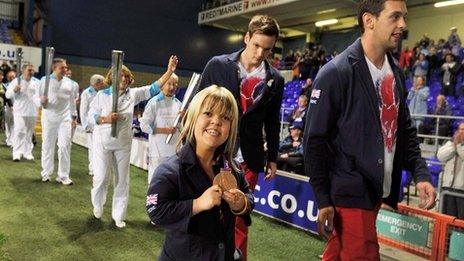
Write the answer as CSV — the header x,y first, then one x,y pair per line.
x,y
297,17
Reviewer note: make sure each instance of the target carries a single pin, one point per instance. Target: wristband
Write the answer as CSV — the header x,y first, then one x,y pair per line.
x,y
245,208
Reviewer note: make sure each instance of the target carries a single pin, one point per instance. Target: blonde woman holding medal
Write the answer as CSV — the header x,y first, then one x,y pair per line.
x,y
196,194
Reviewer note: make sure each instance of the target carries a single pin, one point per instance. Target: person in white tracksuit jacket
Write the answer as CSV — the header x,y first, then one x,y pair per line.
x,y
58,117
158,121
87,96
68,74
9,118
26,101
116,151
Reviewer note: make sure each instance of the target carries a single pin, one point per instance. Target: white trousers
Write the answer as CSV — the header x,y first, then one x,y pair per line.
x,y
52,131
9,125
153,163
104,160
90,151
22,141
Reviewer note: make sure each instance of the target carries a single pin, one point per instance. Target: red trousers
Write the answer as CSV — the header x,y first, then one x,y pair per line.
x,y
241,230
354,236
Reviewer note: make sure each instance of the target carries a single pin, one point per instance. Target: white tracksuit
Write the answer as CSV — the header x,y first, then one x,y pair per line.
x,y
9,121
76,86
160,112
87,97
116,151
56,125
26,102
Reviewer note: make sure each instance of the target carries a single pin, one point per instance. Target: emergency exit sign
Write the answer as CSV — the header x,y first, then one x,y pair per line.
x,y
403,228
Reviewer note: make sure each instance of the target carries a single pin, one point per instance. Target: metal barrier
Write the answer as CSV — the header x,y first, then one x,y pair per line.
x,y
452,246
283,122
435,137
433,248
437,124
426,250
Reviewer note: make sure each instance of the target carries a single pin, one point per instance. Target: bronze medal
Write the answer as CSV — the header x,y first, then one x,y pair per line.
x,y
225,180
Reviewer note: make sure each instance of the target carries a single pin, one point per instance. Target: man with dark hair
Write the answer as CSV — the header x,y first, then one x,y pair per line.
x,y
291,150
58,116
448,72
359,137
258,89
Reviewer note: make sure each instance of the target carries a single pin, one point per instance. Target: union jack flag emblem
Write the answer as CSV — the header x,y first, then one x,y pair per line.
x,y
152,199
316,94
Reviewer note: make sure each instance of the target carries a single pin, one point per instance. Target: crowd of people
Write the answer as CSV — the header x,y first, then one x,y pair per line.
x,y
341,139
428,57
435,70
304,64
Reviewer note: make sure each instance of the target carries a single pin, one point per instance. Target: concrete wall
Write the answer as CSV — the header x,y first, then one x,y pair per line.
x,y
436,22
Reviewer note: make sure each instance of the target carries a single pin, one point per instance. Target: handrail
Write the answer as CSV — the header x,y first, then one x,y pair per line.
x,y
438,116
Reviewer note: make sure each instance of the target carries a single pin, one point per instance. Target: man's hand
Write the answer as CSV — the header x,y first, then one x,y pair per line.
x,y
271,170
17,89
44,100
326,215
284,156
427,195
110,118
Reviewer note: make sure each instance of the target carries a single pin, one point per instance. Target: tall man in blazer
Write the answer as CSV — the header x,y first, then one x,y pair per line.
x,y
359,136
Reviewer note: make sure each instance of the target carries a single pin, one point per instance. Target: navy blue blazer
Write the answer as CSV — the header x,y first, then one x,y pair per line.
x,y
344,149
223,70
205,236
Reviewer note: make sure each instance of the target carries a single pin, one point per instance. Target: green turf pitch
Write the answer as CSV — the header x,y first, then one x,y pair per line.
x,y
47,221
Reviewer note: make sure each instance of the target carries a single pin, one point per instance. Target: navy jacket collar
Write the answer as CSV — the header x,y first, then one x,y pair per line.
x,y
356,54
187,155
235,57
358,61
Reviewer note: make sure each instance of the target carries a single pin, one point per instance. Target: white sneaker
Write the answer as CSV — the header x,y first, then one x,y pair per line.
x,y
66,181
29,157
120,224
46,179
98,212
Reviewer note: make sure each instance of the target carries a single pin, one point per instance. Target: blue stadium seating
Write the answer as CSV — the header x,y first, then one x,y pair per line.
x,y
292,91
5,36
